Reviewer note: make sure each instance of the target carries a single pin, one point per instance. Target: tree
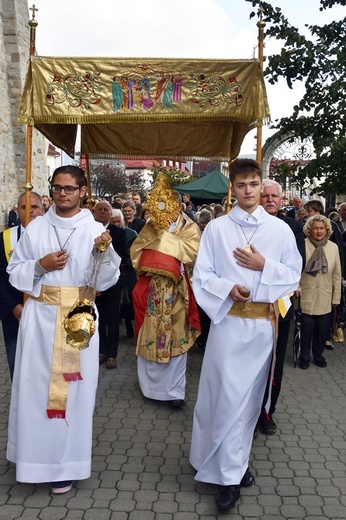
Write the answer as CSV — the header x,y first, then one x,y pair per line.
x,y
111,178
174,176
136,182
320,63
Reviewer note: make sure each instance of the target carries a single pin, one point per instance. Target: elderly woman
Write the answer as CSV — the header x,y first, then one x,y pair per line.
x,y
320,289
315,207
204,218
126,308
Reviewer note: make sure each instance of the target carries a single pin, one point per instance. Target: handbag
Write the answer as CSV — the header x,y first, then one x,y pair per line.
x,y
337,332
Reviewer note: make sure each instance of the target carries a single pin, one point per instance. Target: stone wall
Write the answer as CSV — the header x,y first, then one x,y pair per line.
x,y
14,53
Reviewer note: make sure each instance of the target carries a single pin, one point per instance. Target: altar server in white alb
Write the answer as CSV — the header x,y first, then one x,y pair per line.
x,y
54,385
247,260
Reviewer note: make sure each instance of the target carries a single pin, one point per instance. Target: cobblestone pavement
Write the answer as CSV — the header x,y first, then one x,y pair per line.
x,y
140,457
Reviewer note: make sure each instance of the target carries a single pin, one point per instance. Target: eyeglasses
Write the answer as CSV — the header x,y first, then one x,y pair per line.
x,y
69,190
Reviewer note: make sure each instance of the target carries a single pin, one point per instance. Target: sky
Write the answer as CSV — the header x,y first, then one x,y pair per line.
x,y
178,29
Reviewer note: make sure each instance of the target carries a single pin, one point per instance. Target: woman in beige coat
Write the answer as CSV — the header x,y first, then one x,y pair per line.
x,y
320,289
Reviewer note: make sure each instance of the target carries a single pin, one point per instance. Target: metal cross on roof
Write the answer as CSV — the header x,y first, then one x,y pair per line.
x,y
33,9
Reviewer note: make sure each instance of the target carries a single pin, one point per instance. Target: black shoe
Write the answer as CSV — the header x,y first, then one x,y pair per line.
x,y
304,364
267,425
321,362
228,497
176,404
248,479
329,345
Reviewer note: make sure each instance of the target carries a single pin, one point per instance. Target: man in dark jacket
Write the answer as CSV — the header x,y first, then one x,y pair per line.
x,y
108,302
11,300
270,200
13,218
298,204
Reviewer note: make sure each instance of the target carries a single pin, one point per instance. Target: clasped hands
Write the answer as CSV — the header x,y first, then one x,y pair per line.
x,y
58,260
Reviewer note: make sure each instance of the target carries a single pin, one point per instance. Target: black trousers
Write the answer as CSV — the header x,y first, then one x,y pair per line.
x,y
10,331
314,333
205,326
108,304
281,347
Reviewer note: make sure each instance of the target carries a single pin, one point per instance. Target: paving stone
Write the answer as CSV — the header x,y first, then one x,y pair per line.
x,y
28,514
75,514
53,513
122,505
163,516
293,511
165,506
142,515
97,514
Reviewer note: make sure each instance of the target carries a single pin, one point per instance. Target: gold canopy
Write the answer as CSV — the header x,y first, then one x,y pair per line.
x,y
147,107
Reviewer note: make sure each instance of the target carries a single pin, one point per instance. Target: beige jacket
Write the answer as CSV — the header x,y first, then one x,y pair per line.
x,y
321,291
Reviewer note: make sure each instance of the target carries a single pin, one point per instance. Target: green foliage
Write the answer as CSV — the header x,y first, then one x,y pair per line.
x,y
284,170
110,178
319,62
332,161
174,176
135,182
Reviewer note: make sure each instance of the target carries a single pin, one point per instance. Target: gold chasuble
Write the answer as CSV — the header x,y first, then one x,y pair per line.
x,y
166,315
166,330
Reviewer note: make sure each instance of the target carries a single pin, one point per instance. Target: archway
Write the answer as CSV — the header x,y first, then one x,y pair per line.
x,y
287,148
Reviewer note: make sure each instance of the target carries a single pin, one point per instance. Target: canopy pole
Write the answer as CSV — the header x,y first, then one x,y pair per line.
x,y
260,24
29,129
87,167
229,197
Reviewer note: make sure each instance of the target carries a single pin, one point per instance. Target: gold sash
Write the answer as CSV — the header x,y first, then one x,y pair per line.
x,y
66,360
258,310
251,310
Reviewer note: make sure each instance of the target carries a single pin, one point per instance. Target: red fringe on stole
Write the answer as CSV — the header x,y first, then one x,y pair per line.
x,y
159,263
56,414
72,376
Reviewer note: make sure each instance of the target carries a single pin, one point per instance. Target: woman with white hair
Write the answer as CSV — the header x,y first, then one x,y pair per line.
x,y
320,287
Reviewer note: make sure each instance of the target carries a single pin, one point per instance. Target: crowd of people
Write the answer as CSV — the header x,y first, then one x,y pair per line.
x,y
177,275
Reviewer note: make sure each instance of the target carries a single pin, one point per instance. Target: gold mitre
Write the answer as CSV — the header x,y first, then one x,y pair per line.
x,y
164,205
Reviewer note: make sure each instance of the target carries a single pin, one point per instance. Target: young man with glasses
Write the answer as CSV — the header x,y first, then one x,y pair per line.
x,y
54,385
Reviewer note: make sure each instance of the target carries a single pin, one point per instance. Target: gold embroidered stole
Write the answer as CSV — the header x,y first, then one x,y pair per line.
x,y
66,360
